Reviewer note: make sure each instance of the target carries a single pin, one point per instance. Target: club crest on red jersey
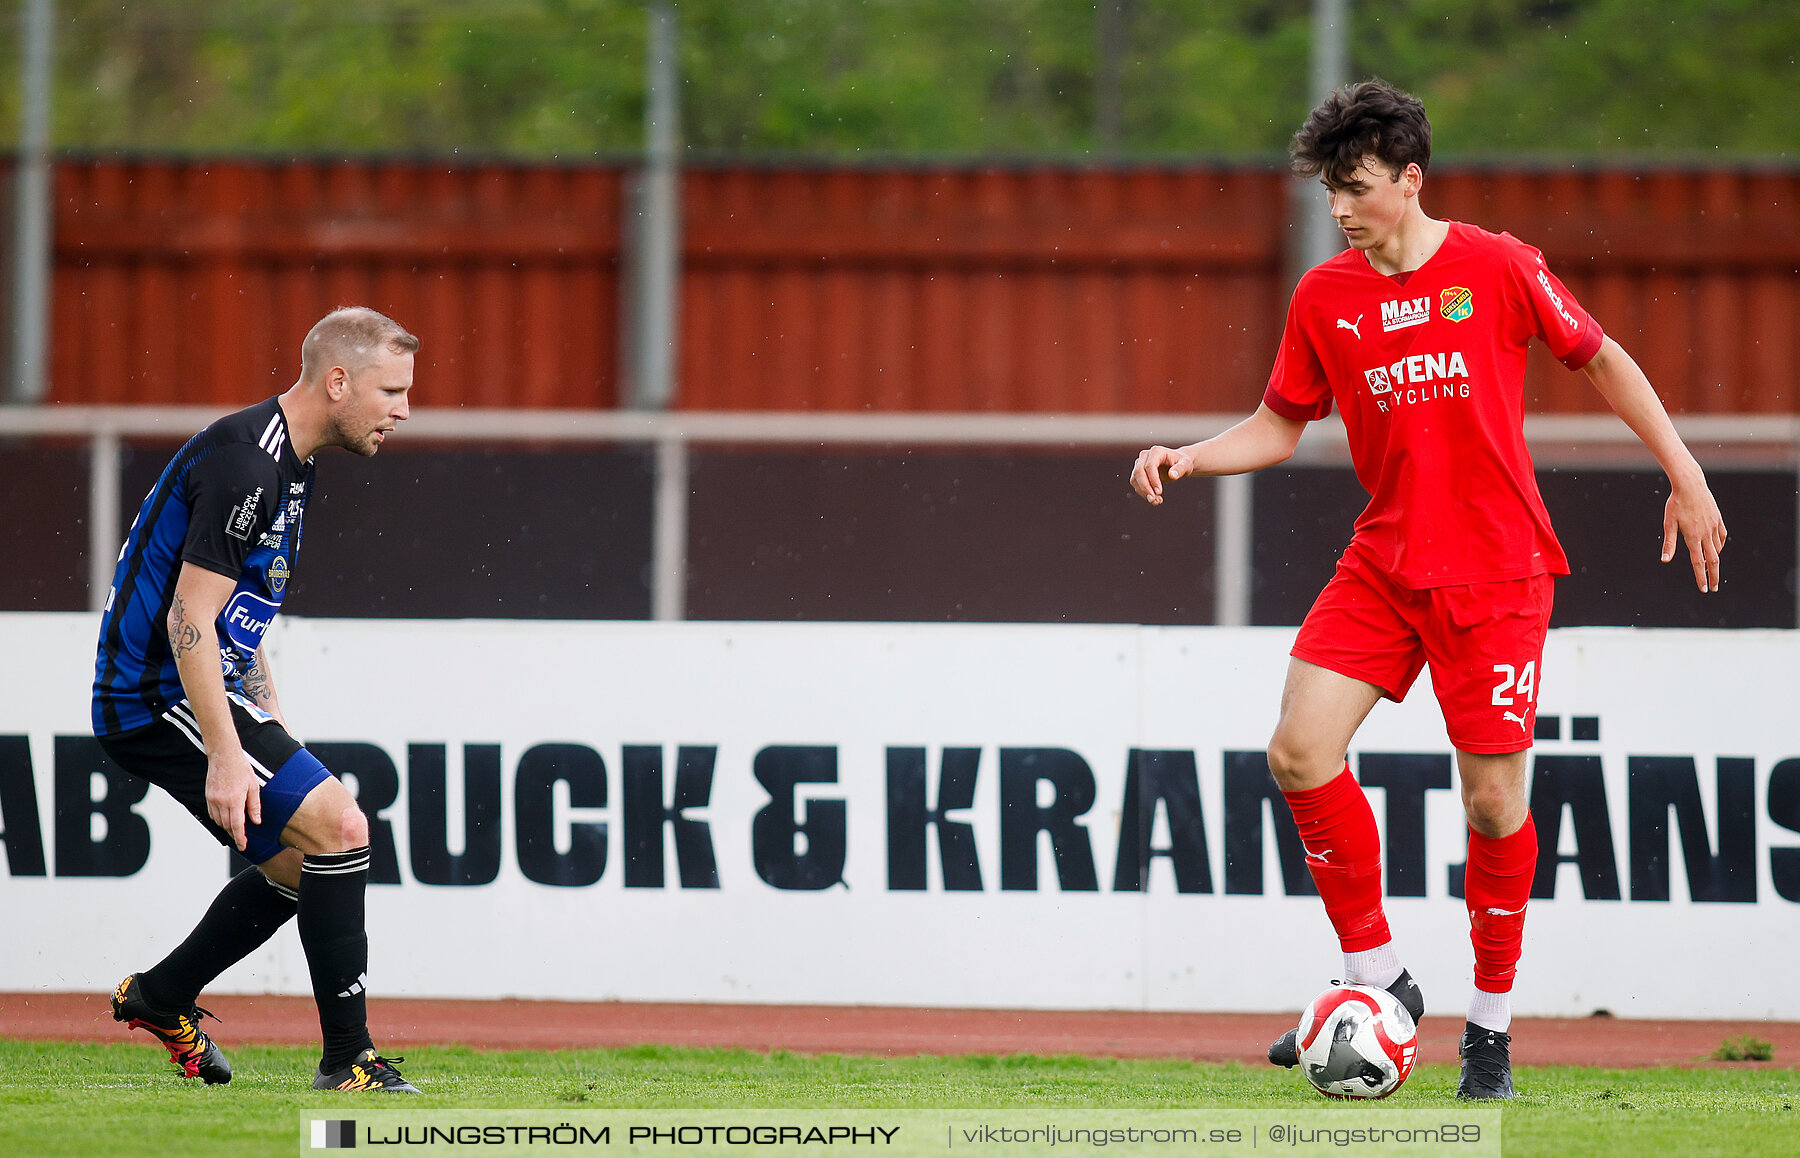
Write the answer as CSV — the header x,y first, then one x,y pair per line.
x,y
1456,303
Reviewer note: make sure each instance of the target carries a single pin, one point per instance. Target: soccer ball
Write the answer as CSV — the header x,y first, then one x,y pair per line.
x,y
1357,1041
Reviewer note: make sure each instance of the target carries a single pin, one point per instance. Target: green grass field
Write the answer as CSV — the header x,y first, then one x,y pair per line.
x,y
108,1100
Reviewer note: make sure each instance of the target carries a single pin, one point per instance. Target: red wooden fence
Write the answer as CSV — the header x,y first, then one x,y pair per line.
x,y
1046,289
195,281
1696,272
1015,289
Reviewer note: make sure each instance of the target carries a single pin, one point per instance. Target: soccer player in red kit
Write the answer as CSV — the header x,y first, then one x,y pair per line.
x,y
1417,333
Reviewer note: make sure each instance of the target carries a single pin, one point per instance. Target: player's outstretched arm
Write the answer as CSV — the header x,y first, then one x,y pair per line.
x,y
1691,512
232,791
1263,439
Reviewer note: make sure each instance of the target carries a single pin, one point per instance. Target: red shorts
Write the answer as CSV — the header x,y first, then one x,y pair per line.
x,y
1484,642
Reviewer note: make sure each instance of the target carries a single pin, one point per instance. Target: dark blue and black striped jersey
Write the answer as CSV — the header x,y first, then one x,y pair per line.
x,y
231,501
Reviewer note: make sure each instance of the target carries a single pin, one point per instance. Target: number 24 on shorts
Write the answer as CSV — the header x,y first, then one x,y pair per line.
x,y
1524,683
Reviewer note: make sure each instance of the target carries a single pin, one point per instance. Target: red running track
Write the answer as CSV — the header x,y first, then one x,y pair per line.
x,y
400,1023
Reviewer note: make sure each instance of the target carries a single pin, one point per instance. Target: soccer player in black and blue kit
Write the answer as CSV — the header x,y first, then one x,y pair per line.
x,y
183,696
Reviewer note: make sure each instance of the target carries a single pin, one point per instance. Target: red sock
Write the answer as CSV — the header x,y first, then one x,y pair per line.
x,y
1343,850
1497,886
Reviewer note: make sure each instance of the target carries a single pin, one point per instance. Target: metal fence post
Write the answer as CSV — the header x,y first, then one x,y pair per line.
x,y
1315,236
103,514
29,374
1232,522
668,550
653,265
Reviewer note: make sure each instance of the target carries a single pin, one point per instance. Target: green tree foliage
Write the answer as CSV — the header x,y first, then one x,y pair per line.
x,y
859,78
528,77
1699,77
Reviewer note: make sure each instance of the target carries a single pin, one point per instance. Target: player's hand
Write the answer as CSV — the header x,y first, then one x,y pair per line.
x,y
1692,514
233,795
1157,466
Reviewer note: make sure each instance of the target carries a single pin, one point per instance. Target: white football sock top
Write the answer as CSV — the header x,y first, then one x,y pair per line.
x,y
1379,966
1491,1010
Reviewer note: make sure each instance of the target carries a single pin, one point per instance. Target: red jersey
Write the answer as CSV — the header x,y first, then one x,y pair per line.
x,y
1428,370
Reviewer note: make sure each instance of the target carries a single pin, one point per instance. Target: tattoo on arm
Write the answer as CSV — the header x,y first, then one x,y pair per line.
x,y
183,636
256,682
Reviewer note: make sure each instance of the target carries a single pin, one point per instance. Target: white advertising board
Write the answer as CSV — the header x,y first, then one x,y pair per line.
x,y
924,815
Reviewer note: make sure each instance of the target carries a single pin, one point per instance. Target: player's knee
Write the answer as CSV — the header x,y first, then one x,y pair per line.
x,y
1283,761
1295,766
331,820
352,829
1494,809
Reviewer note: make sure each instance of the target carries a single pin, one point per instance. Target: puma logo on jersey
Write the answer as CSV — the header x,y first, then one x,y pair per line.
x,y
1506,912
1515,718
1403,313
1352,326
1320,857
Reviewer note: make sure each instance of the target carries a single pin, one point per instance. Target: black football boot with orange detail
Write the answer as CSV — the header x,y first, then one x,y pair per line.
x,y
367,1072
190,1050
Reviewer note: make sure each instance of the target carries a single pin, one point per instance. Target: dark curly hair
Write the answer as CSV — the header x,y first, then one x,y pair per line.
x,y
1370,118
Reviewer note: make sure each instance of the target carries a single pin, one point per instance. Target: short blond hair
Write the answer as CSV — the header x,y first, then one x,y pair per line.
x,y
350,336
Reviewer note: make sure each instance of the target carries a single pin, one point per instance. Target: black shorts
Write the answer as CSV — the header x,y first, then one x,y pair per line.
x,y
169,754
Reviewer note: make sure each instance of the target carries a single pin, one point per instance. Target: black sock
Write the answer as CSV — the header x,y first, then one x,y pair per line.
x,y
337,950
245,914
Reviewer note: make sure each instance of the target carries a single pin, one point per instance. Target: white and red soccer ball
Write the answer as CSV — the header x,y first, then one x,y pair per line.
x,y
1357,1041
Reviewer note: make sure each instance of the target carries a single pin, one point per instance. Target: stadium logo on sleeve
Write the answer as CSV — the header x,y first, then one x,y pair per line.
x,y
1556,300
1456,304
